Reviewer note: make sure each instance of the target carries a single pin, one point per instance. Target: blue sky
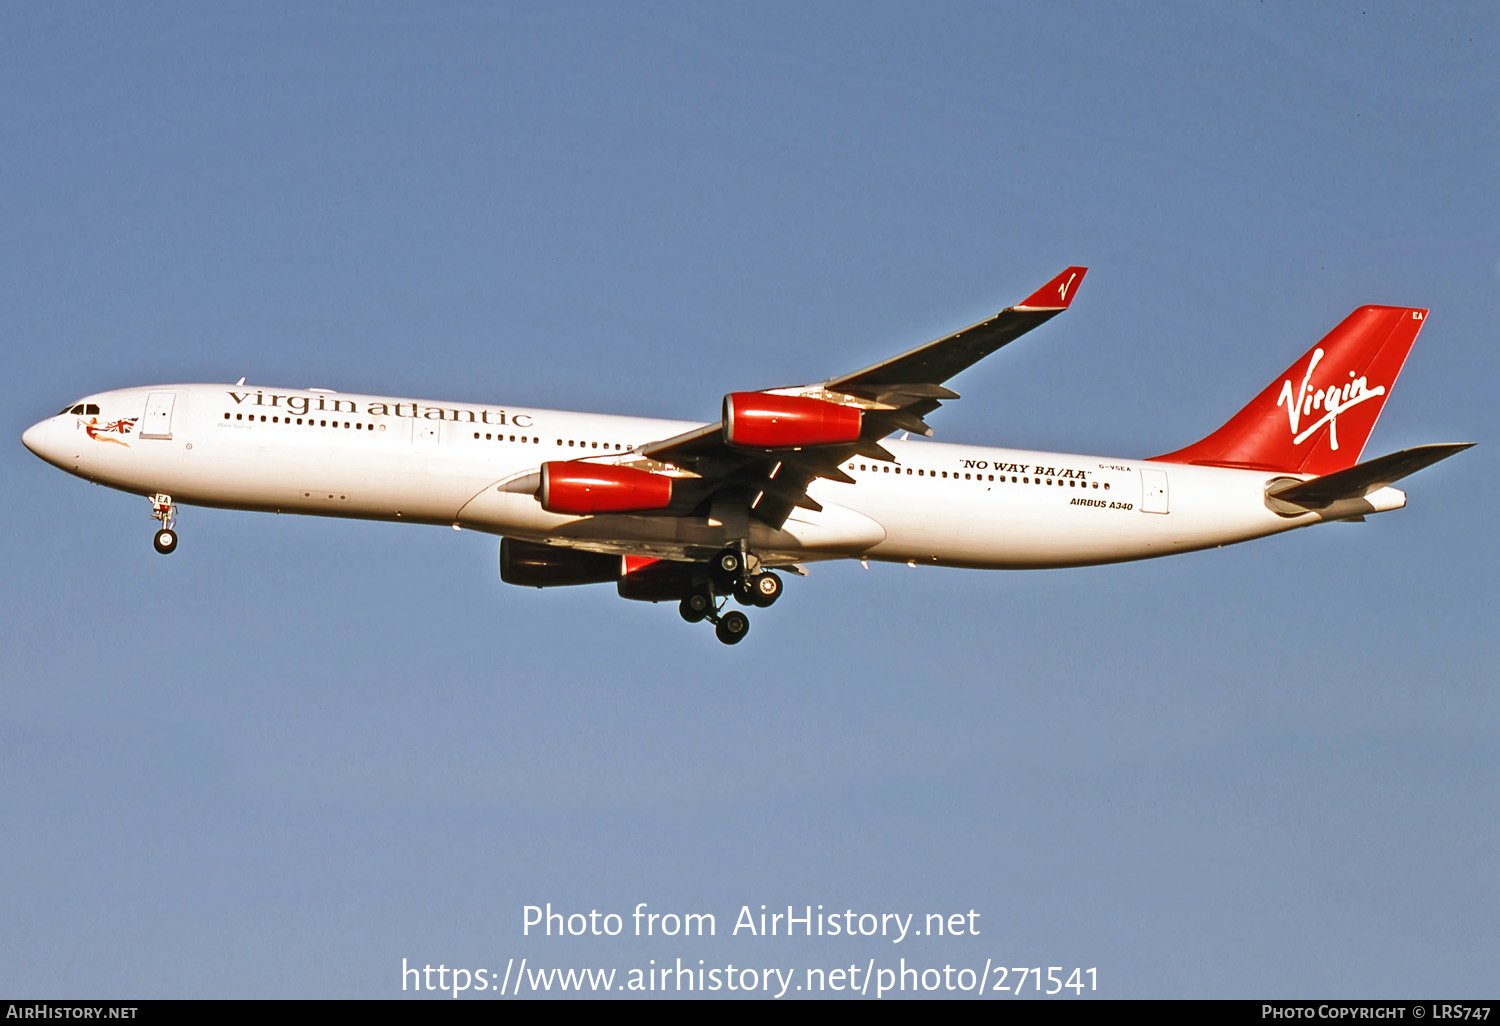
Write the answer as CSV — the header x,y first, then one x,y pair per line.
x,y
299,751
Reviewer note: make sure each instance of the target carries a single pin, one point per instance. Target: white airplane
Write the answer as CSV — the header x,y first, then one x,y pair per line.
x,y
697,513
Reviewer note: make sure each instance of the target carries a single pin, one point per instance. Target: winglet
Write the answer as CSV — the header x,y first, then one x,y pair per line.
x,y
1057,293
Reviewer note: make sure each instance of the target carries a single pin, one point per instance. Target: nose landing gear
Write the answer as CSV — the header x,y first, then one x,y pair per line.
x,y
163,510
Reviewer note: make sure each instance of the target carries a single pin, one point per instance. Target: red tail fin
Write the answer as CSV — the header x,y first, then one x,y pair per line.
x,y
1316,417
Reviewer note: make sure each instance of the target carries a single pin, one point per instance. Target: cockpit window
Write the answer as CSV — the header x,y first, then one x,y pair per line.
x,y
91,410
72,409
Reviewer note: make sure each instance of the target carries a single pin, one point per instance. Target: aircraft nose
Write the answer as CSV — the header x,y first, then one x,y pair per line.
x,y
36,437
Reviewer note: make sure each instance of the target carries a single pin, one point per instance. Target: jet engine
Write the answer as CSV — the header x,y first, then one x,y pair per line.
x,y
661,580
549,566
574,486
759,420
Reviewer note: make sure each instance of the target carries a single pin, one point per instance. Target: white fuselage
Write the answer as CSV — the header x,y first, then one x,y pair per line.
x,y
475,466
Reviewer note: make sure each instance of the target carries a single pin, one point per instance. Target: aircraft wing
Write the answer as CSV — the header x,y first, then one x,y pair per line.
x,y
893,395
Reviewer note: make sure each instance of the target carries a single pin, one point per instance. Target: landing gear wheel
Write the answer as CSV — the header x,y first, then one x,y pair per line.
x,y
765,588
695,607
733,627
162,510
728,566
744,593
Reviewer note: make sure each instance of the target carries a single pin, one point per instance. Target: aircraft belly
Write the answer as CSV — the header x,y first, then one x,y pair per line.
x,y
833,530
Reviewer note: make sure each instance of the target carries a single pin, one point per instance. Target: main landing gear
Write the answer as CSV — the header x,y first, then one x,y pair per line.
x,y
730,575
730,627
163,510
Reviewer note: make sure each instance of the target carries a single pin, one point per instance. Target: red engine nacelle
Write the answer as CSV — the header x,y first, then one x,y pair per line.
x,y
758,420
573,486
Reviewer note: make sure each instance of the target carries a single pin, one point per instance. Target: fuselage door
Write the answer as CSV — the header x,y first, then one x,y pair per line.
x,y
157,421
1153,491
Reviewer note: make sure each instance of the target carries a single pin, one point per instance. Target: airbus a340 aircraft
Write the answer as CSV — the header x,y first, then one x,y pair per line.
x,y
697,513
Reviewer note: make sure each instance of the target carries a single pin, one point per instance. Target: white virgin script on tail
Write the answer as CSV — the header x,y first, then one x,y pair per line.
x,y
1332,400
1062,290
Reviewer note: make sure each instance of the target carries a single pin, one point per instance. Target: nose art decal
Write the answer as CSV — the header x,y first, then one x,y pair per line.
x,y
100,432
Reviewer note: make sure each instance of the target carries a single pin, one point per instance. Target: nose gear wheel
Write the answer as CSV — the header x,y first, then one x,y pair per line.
x,y
163,510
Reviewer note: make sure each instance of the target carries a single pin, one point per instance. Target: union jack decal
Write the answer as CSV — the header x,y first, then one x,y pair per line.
x,y
96,431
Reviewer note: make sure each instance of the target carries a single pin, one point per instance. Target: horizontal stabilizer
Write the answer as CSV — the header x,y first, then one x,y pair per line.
x,y
1363,478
